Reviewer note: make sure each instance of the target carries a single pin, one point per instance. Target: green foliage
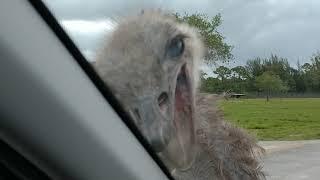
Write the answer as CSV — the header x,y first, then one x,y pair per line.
x,y
217,48
211,85
240,72
242,79
223,72
306,67
255,67
268,82
286,119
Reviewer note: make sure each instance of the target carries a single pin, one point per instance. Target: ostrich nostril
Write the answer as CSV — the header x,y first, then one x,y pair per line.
x,y
163,103
163,99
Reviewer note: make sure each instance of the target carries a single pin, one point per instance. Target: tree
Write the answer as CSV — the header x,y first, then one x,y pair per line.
x,y
278,66
268,82
298,78
306,67
312,73
315,59
217,48
254,67
212,85
222,72
240,72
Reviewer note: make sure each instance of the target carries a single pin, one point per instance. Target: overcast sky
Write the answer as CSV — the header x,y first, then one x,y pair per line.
x,y
289,28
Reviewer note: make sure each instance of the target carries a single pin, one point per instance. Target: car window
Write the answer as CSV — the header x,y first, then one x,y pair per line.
x,y
202,81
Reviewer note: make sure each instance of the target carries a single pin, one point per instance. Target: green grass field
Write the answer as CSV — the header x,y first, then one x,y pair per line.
x,y
286,119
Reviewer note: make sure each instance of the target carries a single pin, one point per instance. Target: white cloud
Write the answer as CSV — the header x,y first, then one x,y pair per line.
x,y
88,26
88,34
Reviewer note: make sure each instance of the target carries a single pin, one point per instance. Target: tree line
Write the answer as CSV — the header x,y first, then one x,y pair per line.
x,y
269,75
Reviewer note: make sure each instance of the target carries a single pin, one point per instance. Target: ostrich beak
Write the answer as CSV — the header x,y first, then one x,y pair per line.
x,y
167,121
156,128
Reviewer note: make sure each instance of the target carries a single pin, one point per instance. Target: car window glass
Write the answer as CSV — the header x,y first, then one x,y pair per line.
x,y
189,73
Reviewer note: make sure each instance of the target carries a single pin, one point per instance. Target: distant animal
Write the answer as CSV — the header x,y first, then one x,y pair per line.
x,y
151,63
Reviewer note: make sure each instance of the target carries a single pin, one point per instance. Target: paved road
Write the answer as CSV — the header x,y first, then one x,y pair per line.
x,y
299,160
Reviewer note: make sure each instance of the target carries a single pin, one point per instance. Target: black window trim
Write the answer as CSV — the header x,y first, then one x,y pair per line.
x,y
14,166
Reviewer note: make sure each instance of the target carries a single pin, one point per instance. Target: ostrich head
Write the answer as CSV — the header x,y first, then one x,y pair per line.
x,y
151,62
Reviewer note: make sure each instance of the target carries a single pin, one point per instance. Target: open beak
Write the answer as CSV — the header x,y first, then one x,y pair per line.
x,y
183,152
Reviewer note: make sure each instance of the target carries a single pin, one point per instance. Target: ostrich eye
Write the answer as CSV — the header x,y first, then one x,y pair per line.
x,y
176,47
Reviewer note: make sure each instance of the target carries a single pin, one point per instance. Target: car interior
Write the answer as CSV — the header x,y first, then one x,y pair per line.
x,y
58,119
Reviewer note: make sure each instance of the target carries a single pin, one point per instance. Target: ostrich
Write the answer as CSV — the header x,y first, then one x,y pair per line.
x,y
151,63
